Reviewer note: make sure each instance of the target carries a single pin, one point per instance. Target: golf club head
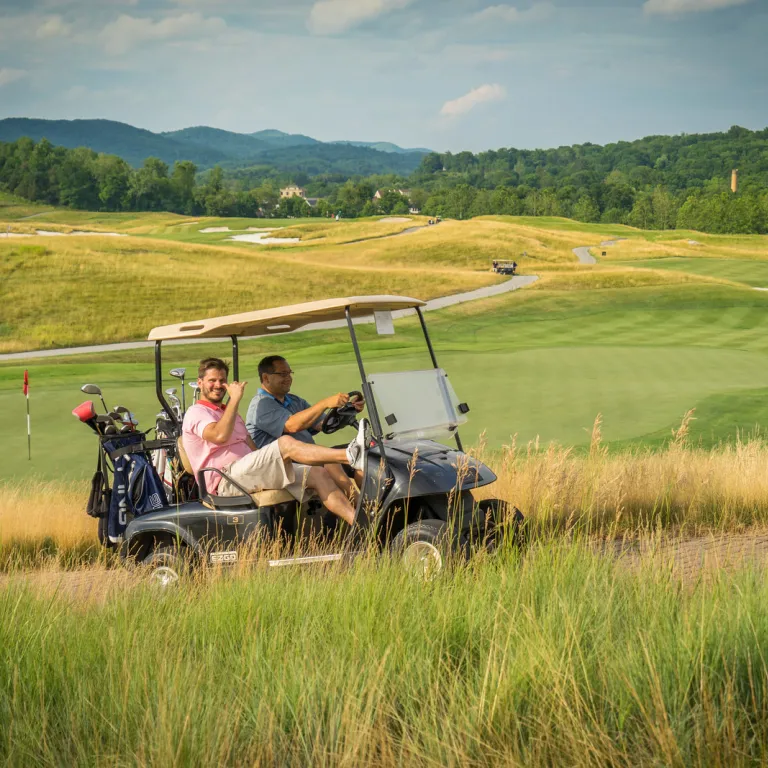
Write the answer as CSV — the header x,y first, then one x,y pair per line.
x,y
171,391
121,409
125,429
115,415
110,429
178,373
91,389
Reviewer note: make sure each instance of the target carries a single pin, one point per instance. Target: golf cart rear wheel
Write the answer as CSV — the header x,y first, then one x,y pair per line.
x,y
166,564
425,547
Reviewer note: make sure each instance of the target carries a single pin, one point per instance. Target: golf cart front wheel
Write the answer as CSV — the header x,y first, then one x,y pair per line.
x,y
425,547
166,565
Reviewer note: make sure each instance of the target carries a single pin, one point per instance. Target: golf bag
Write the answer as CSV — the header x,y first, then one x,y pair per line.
x,y
136,489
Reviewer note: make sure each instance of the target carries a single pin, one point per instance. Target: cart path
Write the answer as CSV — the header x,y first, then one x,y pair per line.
x,y
441,302
689,561
584,256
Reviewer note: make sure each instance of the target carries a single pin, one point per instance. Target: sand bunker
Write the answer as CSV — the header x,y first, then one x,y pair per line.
x,y
48,233
209,230
394,220
262,238
694,242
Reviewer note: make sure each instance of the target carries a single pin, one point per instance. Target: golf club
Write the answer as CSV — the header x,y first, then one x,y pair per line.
x,y
92,389
196,389
87,414
179,374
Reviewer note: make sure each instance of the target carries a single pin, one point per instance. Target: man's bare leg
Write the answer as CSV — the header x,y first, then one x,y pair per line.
x,y
310,454
330,494
340,477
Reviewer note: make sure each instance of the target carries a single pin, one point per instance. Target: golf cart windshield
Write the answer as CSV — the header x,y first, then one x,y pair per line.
x,y
415,404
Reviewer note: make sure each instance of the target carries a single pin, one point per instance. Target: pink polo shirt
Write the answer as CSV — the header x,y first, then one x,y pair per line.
x,y
203,453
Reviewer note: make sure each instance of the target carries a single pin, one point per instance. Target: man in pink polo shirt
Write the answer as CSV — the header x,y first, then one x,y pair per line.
x,y
214,435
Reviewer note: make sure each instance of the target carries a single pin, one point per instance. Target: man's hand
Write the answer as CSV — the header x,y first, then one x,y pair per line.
x,y
235,390
359,403
336,401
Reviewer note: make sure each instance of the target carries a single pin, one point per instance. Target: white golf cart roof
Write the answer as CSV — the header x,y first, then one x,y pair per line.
x,y
263,322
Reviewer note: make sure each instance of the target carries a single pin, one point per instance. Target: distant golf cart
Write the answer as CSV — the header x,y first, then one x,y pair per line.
x,y
416,496
504,267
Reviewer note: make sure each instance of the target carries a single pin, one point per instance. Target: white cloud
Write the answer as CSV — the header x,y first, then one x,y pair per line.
x,y
470,100
53,26
11,75
127,32
512,14
675,7
329,17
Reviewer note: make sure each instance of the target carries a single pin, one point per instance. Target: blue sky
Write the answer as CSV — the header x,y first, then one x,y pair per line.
x,y
445,74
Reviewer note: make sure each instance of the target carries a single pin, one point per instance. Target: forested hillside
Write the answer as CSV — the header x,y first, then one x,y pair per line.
x,y
207,147
133,145
660,182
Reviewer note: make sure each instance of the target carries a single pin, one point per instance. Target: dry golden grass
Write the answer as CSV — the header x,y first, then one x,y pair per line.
x,y
681,488
61,291
469,246
748,247
36,511
331,232
597,278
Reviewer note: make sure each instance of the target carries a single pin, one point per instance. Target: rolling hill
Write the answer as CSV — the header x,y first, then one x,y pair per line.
x,y
206,146
134,145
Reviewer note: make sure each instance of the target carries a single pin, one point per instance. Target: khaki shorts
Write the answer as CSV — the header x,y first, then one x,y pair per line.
x,y
265,470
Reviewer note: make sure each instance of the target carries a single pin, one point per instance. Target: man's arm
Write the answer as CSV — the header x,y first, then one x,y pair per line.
x,y
220,431
306,419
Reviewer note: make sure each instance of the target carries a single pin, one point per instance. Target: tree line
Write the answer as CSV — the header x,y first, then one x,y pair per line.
x,y
660,182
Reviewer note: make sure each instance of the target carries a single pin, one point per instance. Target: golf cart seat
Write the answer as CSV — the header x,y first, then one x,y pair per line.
x,y
263,498
183,456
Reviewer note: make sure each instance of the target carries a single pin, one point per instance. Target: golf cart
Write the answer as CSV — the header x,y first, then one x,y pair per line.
x,y
505,267
416,494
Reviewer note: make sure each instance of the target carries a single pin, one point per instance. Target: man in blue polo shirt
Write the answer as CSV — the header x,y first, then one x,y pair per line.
x,y
274,412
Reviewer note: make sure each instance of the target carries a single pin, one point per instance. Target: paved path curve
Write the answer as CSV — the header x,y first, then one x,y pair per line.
x,y
584,256
439,303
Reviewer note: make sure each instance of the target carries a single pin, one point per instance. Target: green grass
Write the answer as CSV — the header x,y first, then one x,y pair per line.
x,y
748,271
529,364
559,658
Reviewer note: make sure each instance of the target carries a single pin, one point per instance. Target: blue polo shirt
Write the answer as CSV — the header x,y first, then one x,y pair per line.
x,y
266,418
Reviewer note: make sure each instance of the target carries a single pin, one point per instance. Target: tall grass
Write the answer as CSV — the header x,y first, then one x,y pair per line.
x,y
558,658
682,488
44,524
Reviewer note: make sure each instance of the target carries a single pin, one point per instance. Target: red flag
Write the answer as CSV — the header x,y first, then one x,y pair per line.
x,y
26,383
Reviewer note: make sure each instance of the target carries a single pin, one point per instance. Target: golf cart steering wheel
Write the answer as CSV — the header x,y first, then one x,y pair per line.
x,y
338,418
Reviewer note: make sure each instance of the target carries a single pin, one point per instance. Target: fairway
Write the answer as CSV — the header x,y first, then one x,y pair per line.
x,y
640,341
748,271
532,365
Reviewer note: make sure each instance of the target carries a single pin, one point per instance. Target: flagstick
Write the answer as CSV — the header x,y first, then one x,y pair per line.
x,y
29,433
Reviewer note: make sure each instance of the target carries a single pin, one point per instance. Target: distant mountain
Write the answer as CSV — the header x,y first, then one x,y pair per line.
x,y
279,139
134,145
228,143
383,146
206,147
